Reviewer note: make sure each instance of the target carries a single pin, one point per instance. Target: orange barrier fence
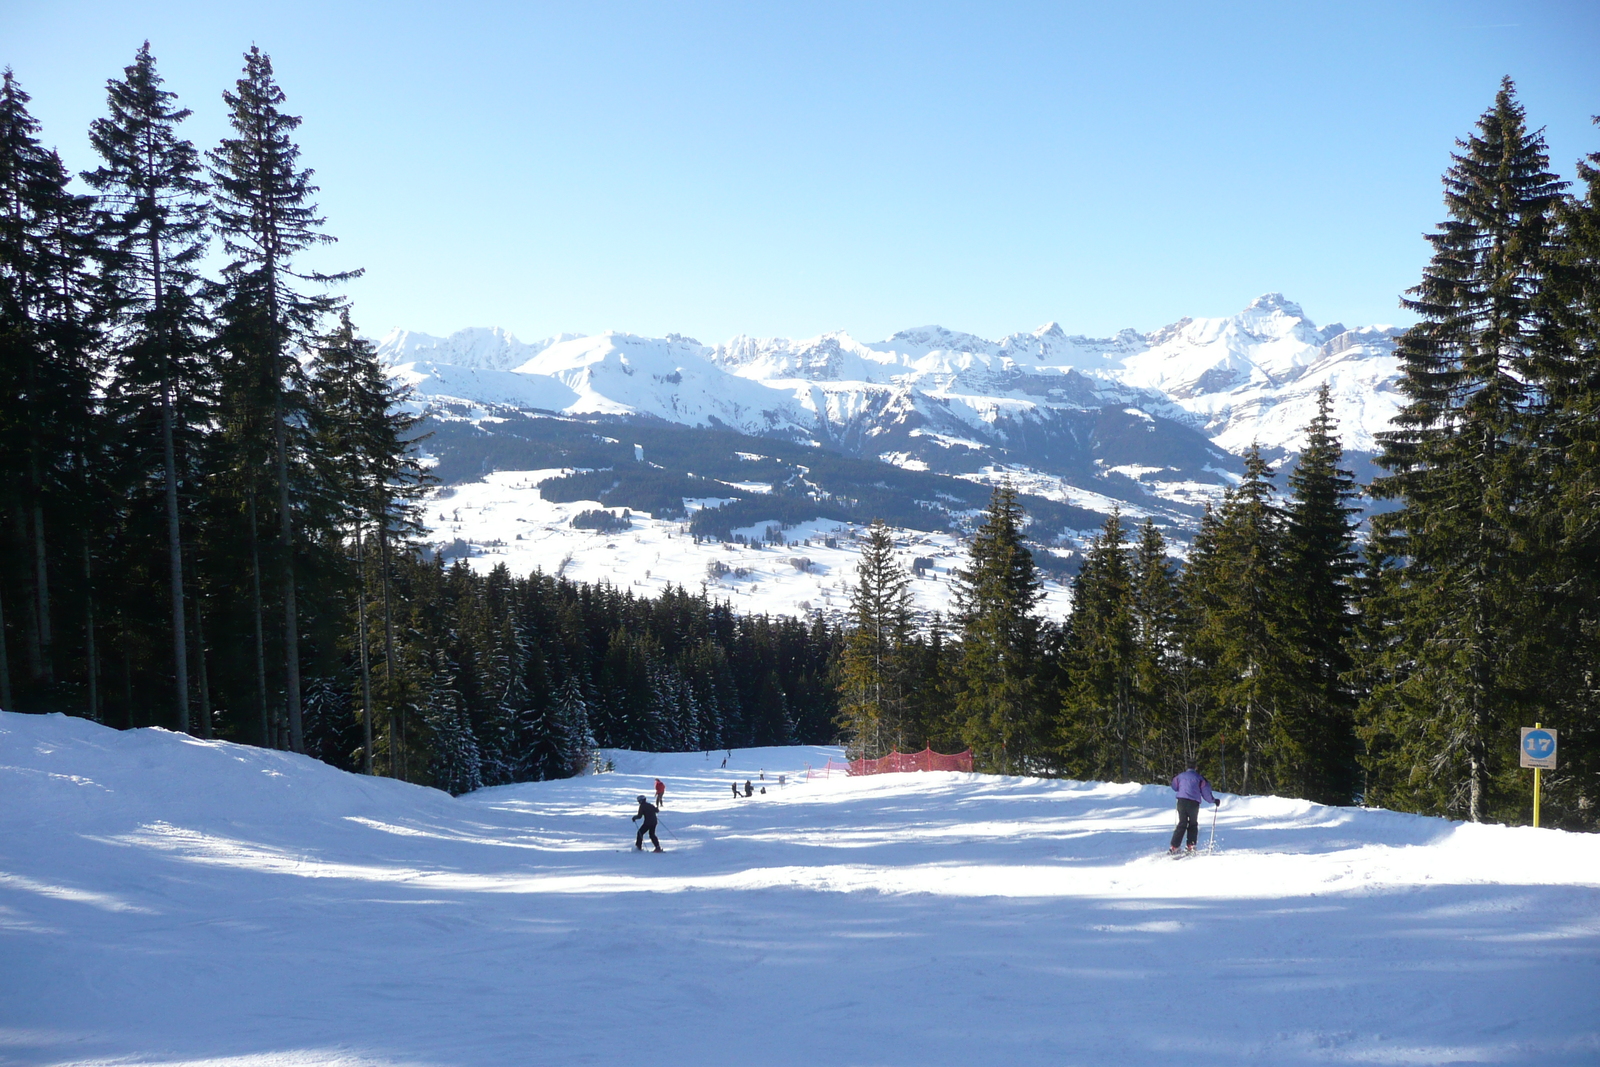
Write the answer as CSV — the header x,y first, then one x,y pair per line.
x,y
896,762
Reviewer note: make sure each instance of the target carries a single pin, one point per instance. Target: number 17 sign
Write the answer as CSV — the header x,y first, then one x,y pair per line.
x,y
1538,748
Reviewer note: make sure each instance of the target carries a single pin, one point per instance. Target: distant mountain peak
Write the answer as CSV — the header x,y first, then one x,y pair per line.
x,y
1245,376
1270,302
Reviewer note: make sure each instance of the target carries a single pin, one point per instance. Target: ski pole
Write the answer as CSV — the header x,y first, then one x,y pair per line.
x,y
667,828
1211,845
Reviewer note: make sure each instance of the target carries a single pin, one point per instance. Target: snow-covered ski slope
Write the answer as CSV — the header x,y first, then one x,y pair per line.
x,y
170,901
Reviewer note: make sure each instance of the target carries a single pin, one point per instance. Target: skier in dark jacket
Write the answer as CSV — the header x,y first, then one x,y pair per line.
x,y
749,792
1191,787
647,811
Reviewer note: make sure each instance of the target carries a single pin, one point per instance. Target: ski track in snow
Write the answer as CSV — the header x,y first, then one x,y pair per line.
x,y
170,901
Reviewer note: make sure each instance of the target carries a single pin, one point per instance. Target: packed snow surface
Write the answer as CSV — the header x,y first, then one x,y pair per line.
x,y
165,900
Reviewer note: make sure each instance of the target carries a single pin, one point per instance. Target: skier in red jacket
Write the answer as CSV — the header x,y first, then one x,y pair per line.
x,y
661,787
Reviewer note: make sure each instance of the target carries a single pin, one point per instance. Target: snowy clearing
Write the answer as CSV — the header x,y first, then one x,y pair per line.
x,y
506,520
170,901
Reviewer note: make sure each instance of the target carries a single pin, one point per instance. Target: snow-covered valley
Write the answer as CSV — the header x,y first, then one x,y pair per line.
x,y
165,900
504,519
1152,424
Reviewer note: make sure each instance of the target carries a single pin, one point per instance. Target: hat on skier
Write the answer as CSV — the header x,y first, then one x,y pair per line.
x,y
641,800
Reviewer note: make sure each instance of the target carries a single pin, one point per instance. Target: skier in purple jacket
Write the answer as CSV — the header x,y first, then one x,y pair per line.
x,y
1191,787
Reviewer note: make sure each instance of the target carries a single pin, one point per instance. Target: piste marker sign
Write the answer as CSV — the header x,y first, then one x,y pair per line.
x,y
1538,748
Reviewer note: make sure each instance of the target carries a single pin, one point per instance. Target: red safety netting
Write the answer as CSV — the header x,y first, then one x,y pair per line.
x,y
895,762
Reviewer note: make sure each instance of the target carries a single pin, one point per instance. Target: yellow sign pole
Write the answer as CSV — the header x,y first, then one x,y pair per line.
x,y
1536,726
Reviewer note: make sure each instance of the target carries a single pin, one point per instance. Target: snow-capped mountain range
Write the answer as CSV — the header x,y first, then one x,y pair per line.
x,y
1151,423
1252,376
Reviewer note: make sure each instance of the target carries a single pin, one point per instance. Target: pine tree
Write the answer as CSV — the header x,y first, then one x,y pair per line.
x,y
265,217
51,319
1462,462
997,595
457,764
872,669
1319,548
1170,738
1236,589
500,743
364,435
1567,519
1100,715
152,218
577,744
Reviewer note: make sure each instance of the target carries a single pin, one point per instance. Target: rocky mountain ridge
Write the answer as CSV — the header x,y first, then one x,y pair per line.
x,y
1160,415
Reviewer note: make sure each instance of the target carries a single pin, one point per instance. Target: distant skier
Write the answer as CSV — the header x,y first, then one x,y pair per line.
x,y
647,811
1191,787
661,787
749,792
724,762
735,787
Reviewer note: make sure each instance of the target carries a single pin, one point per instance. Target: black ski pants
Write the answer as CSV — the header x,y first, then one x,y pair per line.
x,y
645,828
1188,820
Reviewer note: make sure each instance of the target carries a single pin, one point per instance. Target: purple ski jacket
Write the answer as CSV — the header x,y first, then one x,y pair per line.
x,y
1192,785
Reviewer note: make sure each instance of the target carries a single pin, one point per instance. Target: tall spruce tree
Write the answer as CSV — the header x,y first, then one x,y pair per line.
x,y
1241,630
152,220
1100,713
1463,464
872,668
51,317
364,437
265,216
997,596
1320,551
1568,519
1170,737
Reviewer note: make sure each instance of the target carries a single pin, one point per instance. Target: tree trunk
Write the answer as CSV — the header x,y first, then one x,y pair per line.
x,y
396,726
41,587
90,654
202,678
1244,781
366,670
180,636
5,664
291,622
127,679
30,603
267,739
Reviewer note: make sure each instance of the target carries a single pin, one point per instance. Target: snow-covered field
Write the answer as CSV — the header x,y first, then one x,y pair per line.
x,y
507,521
170,901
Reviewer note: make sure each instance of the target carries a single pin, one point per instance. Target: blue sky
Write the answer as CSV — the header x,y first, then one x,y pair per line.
x,y
786,169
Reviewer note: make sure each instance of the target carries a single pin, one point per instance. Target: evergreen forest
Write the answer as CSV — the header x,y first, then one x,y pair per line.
x,y
209,512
